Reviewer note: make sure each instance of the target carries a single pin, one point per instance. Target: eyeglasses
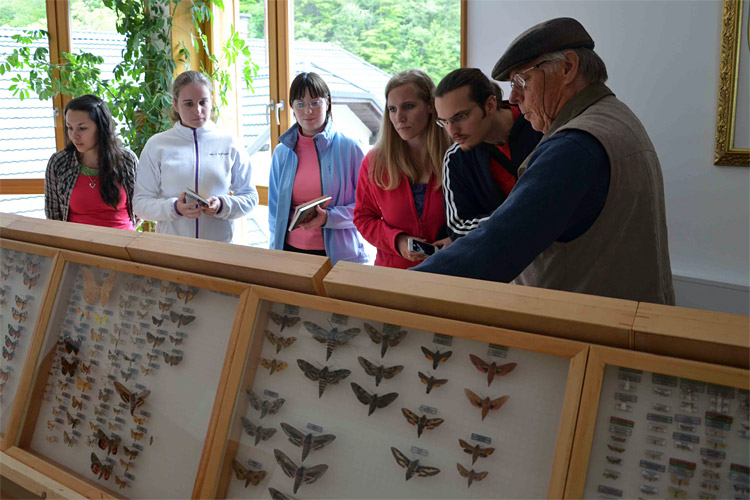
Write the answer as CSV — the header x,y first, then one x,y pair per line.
x,y
518,82
457,118
314,104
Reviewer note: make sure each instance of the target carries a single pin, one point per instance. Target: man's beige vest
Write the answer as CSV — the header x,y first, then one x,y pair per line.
x,y
624,254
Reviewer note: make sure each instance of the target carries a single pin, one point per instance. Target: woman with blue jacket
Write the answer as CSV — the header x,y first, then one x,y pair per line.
x,y
314,160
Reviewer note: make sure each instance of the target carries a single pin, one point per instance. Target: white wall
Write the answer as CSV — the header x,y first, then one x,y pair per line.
x,y
662,58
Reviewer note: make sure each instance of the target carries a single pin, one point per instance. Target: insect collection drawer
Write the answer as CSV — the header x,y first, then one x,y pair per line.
x,y
330,399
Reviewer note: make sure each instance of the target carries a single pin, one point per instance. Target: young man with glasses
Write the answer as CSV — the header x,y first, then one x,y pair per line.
x,y
491,139
587,214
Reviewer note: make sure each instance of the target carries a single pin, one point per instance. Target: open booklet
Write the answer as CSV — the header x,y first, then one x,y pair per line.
x,y
306,212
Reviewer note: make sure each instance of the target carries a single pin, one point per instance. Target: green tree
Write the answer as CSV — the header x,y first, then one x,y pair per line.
x,y
23,14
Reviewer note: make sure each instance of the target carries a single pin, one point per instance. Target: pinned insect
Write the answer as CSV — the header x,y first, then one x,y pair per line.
x,y
186,294
121,483
266,406
83,385
153,339
68,440
133,399
324,376
10,344
157,321
260,433
308,442
71,346
385,339
93,291
72,421
137,436
273,365
77,403
373,401
125,303
176,340
283,321
380,372
431,382
278,341
21,303
126,465
85,369
307,475
485,404
475,451
412,466
181,319
131,453
109,444
173,359
165,306
436,356
331,338
491,369
101,470
14,332
29,280
18,315
422,422
102,320
250,477
471,475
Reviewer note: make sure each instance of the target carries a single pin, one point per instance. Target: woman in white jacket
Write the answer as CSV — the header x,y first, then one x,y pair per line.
x,y
193,154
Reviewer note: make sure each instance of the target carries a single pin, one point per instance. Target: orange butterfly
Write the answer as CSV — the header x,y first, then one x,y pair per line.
x,y
136,435
84,385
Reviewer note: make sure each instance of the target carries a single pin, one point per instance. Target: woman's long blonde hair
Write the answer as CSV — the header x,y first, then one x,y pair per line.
x,y
392,153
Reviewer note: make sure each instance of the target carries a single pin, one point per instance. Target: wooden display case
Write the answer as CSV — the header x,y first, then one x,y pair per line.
x,y
656,427
375,392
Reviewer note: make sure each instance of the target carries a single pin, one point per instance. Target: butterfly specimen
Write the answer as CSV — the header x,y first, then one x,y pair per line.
x,y
5,275
51,439
283,321
260,433
485,404
56,412
77,403
166,289
69,367
15,332
10,344
373,401
142,314
472,475
137,436
135,400
186,294
29,280
7,354
181,319
121,483
412,466
273,365
266,406
139,421
380,372
4,374
68,440
93,291
125,303
431,382
131,285
279,341
62,385
83,384
102,320
174,360
152,356
164,306
146,370
436,356
93,426
126,465
127,375
72,346
157,321
85,369
475,451
333,338
491,369
146,290
109,444
308,442
250,477
131,453
19,316
324,376
96,337
50,424
112,356
153,339
423,423
176,340
100,469
21,303
390,339
72,421
99,411
307,475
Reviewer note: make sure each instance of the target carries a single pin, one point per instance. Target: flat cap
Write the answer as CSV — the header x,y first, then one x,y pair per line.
x,y
549,36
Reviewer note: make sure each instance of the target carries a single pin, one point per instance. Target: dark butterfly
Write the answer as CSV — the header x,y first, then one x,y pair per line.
x,y
423,423
125,303
307,475
250,477
134,400
373,401
21,303
157,321
77,404
412,466
273,365
85,369
110,444
131,453
152,356
181,319
485,404
324,376
69,368
390,339
121,483
491,369
475,451
72,420
277,495
472,475
308,442
7,354
431,382
283,321
166,289
153,339
30,281
260,433
13,332
176,340
333,338
266,406
187,294
68,440
32,266
18,315
72,346
279,341
10,344
127,375
436,356
172,359
164,306
101,470
380,372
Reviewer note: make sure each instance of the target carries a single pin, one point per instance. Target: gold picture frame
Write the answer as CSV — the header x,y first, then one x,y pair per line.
x,y
725,153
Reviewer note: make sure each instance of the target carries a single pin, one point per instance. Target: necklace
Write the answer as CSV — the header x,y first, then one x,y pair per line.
x,y
91,173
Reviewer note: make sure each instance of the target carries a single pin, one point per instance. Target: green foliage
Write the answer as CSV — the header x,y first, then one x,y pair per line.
x,y
23,14
257,22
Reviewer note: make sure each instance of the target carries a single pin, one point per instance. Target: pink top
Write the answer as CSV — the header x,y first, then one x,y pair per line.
x,y
307,186
87,206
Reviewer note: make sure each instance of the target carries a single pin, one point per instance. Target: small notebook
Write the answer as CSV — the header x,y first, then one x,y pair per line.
x,y
306,212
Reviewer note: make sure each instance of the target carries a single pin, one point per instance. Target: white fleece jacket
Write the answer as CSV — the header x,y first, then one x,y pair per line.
x,y
206,160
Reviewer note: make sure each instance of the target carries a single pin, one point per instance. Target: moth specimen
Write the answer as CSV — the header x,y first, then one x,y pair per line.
x,y
485,404
83,385
436,356
250,477
134,399
260,433
29,280
412,466
68,440
491,369
308,442
472,475
172,359
18,315
109,444
266,406
431,382
386,340
71,346
373,401
181,319
277,495
475,451
102,320
283,321
273,365
422,422
121,483
101,470
331,338
69,367
380,372
278,341
186,294
130,452
153,339
72,421
93,291
324,376
301,474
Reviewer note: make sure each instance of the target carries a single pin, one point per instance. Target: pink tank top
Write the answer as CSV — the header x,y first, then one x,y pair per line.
x,y
307,186
87,207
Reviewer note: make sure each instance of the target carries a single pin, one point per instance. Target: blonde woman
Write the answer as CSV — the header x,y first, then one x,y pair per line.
x,y
399,193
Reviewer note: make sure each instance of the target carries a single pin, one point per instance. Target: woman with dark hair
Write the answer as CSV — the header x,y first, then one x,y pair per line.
x,y
91,180
314,160
194,155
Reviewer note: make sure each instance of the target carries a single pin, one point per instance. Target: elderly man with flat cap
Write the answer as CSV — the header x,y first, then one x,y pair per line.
x,y
587,214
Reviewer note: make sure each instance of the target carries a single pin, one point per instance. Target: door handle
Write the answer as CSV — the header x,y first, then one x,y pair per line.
x,y
279,107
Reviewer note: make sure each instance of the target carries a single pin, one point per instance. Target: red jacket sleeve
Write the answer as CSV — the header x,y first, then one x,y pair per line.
x,y
367,214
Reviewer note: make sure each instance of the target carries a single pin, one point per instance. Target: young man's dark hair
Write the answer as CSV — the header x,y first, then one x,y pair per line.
x,y
480,87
